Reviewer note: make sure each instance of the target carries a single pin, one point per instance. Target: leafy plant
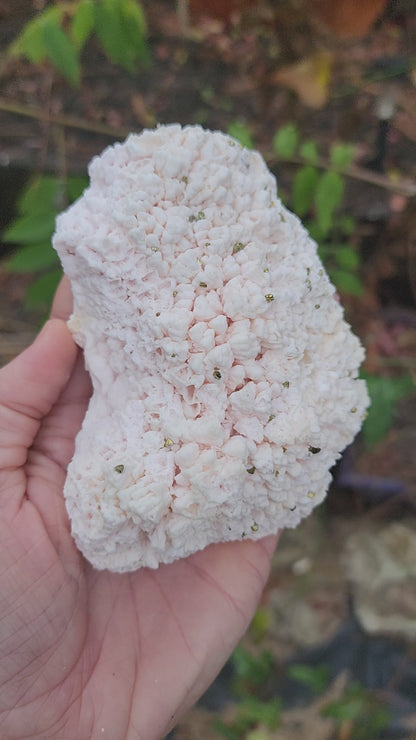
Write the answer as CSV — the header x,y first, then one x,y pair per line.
x,y
317,197
240,131
32,229
59,33
361,710
261,623
358,713
251,713
385,393
285,141
250,670
258,734
315,677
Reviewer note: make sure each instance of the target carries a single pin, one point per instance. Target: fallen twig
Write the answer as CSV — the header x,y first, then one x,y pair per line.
x,y
10,106
402,186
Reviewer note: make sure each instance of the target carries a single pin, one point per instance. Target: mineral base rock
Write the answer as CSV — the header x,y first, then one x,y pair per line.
x,y
224,375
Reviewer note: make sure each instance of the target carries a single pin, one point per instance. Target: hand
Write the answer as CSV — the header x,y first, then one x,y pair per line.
x,y
88,654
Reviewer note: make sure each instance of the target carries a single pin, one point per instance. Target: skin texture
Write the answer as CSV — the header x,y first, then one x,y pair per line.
x,y
88,654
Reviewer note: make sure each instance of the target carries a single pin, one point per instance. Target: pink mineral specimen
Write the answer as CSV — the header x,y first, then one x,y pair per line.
x,y
225,377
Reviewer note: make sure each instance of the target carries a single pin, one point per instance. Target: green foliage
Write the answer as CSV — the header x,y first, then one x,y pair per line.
x,y
360,707
62,52
32,258
328,198
305,186
120,29
309,152
30,43
240,131
251,714
250,670
285,141
59,33
315,677
253,717
257,735
342,155
39,196
83,21
40,293
384,393
32,229
317,196
261,623
346,281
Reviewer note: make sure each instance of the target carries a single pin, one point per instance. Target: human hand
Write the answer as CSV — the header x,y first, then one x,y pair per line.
x,y
88,654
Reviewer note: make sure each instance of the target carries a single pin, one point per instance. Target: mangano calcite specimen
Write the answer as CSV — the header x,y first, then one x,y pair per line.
x,y
224,375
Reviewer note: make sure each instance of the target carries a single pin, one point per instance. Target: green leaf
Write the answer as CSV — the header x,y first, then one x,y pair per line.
x,y
347,282
30,229
345,710
315,232
30,43
110,29
362,710
39,196
82,23
304,188
314,677
257,735
253,669
135,28
33,258
346,258
253,711
227,731
239,130
342,155
75,186
285,141
328,197
250,712
42,290
261,623
384,394
309,152
62,52
324,251
346,224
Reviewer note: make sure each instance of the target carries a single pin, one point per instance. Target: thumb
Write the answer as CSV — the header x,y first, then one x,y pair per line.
x,y
30,385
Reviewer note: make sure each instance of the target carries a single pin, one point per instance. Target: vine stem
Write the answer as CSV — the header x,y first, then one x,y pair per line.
x,y
402,186
10,106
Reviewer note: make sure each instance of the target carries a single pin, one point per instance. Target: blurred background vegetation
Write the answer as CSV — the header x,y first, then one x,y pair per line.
x,y
326,92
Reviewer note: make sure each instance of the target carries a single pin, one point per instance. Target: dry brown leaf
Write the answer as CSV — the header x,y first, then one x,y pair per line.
x,y
348,18
309,78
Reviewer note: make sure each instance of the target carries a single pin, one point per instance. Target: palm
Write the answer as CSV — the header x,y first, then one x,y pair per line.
x,y
88,654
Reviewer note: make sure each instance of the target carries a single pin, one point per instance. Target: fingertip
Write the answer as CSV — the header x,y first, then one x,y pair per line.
x,y
270,543
55,346
62,302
